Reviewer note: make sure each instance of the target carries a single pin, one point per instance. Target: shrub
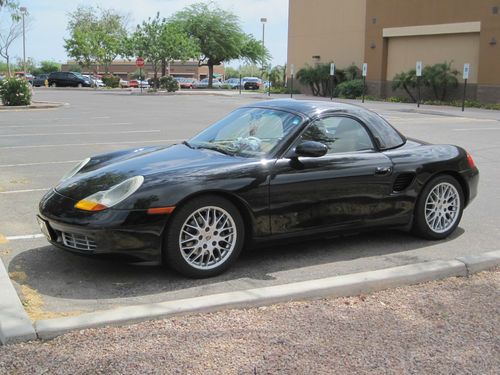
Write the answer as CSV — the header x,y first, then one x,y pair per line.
x,y
154,82
440,77
169,83
318,78
15,91
406,81
350,89
111,81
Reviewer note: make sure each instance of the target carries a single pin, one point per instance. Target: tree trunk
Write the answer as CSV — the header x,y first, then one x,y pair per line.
x,y
409,93
210,73
164,68
8,66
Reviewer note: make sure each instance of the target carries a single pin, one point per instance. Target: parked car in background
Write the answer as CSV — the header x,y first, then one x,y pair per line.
x,y
28,76
137,83
203,84
234,83
185,83
124,83
94,80
40,80
251,83
67,79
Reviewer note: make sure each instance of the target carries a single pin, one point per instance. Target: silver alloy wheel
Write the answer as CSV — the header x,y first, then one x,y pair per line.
x,y
442,207
207,237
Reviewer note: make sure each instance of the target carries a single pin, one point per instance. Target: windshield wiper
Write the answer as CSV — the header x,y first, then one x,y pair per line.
x,y
187,144
214,147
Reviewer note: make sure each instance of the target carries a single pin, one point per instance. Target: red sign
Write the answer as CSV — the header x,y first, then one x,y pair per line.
x,y
139,62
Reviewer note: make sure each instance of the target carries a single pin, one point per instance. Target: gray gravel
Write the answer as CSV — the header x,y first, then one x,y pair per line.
x,y
442,327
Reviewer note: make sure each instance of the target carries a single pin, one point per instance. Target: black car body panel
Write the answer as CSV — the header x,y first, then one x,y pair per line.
x,y
67,79
280,195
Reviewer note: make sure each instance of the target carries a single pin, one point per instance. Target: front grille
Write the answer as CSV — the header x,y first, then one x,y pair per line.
x,y
78,241
403,181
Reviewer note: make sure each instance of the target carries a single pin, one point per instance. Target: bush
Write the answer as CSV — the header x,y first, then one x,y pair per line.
x,y
169,83
111,81
154,83
350,89
15,91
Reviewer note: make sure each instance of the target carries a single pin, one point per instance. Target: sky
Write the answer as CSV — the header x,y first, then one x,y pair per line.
x,y
45,37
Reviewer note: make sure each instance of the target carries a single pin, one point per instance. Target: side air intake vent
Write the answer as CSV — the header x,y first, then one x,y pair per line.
x,y
402,181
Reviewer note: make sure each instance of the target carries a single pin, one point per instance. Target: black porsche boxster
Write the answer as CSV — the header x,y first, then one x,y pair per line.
x,y
270,170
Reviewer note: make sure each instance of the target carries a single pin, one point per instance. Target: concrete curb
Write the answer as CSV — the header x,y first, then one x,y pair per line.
x,y
337,286
15,326
34,105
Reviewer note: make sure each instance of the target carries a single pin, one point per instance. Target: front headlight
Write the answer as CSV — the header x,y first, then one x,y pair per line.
x,y
114,195
76,169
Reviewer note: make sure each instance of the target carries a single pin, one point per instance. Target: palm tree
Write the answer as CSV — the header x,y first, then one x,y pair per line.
x,y
406,81
440,77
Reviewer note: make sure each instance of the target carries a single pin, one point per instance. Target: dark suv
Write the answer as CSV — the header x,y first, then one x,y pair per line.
x,y
62,79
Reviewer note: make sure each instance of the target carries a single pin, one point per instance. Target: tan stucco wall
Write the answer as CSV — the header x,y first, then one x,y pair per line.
x,y
332,29
382,14
403,52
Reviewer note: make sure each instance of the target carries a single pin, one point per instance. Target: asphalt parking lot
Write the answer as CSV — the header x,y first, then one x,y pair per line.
x,y
38,146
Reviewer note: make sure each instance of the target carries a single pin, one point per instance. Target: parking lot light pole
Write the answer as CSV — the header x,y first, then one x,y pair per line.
x,y
24,10
263,20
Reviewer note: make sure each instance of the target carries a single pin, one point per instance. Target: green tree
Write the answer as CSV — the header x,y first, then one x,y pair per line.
x,y
406,81
96,36
219,37
160,41
440,77
318,78
47,67
10,16
231,72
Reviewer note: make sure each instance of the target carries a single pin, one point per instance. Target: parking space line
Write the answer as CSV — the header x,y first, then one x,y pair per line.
x,y
79,133
41,163
474,129
24,237
98,118
158,141
65,125
23,191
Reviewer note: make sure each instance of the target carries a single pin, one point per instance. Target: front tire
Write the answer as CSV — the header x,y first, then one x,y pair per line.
x,y
204,237
439,208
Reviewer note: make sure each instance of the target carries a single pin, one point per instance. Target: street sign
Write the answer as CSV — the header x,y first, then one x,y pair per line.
x,y
466,71
139,62
292,69
365,69
418,68
332,69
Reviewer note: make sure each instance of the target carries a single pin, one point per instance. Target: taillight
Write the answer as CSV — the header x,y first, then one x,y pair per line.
x,y
471,161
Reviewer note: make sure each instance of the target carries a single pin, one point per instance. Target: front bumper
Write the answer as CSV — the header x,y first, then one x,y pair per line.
x,y
130,233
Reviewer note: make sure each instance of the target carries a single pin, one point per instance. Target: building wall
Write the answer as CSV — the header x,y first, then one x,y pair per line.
x,y
391,35
333,30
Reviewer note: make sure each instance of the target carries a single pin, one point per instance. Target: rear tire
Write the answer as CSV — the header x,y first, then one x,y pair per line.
x,y
439,208
204,237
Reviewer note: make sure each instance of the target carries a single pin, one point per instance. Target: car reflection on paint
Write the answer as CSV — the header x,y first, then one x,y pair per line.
x,y
269,170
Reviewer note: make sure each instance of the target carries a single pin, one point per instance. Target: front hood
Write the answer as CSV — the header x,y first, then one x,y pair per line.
x,y
154,163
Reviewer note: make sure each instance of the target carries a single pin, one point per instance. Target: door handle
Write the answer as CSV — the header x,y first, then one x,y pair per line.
x,y
383,171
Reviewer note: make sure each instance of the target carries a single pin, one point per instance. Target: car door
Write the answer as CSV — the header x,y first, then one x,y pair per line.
x,y
349,186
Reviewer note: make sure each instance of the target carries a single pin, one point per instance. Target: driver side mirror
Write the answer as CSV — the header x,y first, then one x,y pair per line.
x,y
311,149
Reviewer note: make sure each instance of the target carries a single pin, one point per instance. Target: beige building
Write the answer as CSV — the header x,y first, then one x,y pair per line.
x,y
124,69
391,35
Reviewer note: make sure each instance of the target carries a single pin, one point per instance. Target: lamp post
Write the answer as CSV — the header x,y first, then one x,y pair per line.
x,y
24,10
263,20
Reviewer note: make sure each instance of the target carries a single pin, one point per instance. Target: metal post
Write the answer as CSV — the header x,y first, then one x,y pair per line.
x,y
291,86
240,84
269,88
263,20
331,87
463,99
23,12
140,78
418,85
364,86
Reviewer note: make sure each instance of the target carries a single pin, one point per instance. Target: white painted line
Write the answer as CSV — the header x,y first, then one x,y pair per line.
x,y
23,191
25,237
98,118
65,125
42,163
80,133
158,141
474,129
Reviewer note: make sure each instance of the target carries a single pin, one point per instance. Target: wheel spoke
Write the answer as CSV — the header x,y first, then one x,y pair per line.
x,y
442,207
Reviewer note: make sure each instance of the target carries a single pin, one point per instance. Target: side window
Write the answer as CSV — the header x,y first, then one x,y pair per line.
x,y
339,134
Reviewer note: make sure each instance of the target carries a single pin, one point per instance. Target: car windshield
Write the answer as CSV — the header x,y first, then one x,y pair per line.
x,y
248,132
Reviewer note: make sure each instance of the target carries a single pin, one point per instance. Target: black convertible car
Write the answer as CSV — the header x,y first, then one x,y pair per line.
x,y
270,170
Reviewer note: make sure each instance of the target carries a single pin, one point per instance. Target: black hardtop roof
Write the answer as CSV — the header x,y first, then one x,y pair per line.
x,y
388,136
